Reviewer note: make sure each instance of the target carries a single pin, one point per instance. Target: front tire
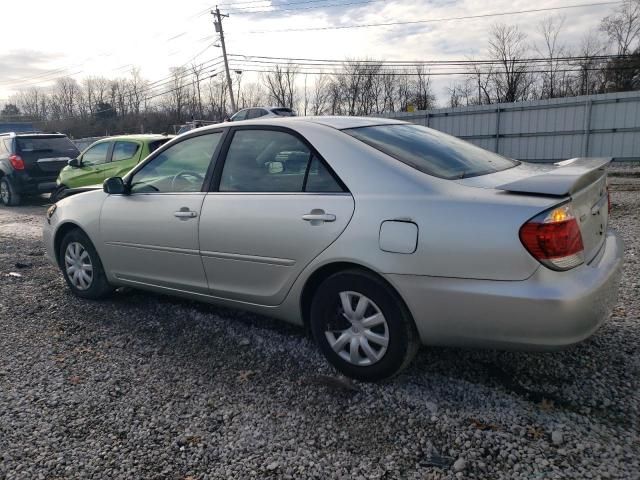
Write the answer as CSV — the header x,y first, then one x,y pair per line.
x,y
362,326
8,194
82,268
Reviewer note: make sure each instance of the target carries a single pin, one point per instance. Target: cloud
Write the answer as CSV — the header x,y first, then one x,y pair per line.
x,y
21,68
165,37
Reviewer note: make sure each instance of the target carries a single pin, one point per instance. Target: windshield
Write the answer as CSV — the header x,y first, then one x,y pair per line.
x,y
48,145
430,151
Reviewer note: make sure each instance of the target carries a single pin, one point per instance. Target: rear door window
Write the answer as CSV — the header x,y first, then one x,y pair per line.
x,y
283,112
124,151
430,151
320,179
265,161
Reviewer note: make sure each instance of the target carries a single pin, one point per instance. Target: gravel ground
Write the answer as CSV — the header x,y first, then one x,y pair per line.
x,y
147,386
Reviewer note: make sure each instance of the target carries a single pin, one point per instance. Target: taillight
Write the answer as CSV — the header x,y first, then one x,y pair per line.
x,y
554,238
17,162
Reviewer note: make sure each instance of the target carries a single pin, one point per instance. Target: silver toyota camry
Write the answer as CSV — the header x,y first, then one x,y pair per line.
x,y
378,235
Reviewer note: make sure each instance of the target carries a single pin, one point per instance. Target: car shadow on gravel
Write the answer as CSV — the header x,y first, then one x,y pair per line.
x,y
541,378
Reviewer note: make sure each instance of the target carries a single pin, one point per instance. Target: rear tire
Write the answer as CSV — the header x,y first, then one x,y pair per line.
x,y
58,194
81,267
362,326
8,194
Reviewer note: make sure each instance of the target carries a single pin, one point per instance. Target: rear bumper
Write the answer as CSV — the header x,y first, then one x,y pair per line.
x,y
33,185
548,310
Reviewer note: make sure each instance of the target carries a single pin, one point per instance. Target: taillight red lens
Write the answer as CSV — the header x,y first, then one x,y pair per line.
x,y
554,239
17,162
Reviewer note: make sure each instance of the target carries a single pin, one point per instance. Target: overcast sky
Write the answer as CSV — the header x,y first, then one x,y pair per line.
x,y
44,40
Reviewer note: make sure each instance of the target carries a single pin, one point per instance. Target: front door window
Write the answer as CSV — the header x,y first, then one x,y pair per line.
x,y
180,168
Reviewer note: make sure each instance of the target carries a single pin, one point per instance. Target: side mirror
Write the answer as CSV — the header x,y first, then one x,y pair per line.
x,y
275,167
114,186
74,162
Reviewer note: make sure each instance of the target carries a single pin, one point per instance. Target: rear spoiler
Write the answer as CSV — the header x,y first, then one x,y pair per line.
x,y
568,177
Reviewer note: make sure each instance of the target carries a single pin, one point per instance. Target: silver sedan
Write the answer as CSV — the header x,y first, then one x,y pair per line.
x,y
375,234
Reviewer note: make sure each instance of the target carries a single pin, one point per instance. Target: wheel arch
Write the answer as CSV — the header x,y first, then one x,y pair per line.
x,y
61,231
325,271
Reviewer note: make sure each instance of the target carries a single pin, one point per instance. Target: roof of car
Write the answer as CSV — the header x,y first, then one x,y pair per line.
x,y
337,122
32,134
265,107
141,137
342,122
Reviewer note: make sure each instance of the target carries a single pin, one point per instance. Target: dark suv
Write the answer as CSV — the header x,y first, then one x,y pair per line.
x,y
30,163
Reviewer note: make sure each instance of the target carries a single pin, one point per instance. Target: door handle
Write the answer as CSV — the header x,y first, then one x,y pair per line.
x,y
185,214
317,216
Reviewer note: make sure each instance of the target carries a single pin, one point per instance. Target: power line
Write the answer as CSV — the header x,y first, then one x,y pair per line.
x,y
277,9
433,20
233,8
408,63
431,74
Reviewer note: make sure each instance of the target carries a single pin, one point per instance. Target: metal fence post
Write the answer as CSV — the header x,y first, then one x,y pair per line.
x,y
497,130
587,127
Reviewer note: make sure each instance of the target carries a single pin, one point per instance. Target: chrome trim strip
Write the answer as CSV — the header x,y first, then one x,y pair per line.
x,y
283,262
53,160
184,251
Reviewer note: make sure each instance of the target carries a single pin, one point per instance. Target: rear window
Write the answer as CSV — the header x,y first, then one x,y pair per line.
x,y
283,112
153,146
432,152
47,145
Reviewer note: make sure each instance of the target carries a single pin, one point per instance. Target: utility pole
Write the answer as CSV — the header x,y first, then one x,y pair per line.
x,y
218,24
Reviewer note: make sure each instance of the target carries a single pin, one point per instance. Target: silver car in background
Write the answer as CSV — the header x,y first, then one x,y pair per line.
x,y
376,234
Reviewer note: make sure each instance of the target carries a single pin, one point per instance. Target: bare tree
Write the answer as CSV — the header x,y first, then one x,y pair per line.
x,y
178,94
252,94
320,95
65,97
137,91
389,89
511,79
217,99
196,73
623,27
32,103
424,98
552,49
281,85
623,30
589,77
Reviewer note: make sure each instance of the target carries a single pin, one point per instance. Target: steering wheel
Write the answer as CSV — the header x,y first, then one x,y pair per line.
x,y
185,174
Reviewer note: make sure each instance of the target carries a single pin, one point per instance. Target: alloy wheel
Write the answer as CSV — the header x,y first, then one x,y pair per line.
x,y
78,266
359,334
4,192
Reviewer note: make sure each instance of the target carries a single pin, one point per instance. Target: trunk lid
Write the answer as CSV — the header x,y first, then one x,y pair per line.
x,y
45,155
582,180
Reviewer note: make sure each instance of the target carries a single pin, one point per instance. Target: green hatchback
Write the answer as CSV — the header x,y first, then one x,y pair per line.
x,y
108,157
